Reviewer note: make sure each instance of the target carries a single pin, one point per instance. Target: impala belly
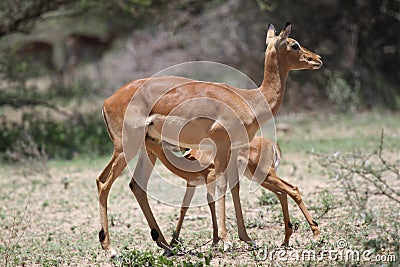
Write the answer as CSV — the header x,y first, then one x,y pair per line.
x,y
179,131
194,132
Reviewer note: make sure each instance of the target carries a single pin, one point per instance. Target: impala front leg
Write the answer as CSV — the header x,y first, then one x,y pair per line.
x,y
138,186
282,196
235,188
221,163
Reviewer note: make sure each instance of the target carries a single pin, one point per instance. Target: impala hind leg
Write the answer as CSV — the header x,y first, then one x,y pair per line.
x,y
285,210
294,193
138,185
189,193
104,182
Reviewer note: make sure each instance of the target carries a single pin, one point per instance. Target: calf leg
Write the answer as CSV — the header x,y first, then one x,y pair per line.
x,y
294,193
235,188
211,204
190,189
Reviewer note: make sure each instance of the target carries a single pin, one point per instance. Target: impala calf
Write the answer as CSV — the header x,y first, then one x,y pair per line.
x,y
261,152
163,108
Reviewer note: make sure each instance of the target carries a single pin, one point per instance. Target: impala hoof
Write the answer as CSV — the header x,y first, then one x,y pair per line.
x,y
251,244
316,232
113,254
214,244
227,246
168,252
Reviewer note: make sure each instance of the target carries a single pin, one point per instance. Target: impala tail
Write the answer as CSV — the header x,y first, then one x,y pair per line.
x,y
105,121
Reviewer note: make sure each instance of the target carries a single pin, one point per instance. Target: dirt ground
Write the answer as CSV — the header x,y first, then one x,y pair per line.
x,y
54,220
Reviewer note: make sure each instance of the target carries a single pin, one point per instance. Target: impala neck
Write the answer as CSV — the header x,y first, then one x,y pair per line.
x,y
273,85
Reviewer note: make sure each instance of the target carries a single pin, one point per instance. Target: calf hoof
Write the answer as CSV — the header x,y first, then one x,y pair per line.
x,y
168,252
316,232
227,246
251,244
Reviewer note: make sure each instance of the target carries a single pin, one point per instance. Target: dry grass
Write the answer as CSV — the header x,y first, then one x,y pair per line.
x,y
54,221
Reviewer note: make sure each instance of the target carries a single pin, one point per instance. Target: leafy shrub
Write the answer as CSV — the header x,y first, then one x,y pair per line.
x,y
342,92
326,202
369,185
79,134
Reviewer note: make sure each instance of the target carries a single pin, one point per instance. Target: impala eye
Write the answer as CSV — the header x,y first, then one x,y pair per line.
x,y
295,46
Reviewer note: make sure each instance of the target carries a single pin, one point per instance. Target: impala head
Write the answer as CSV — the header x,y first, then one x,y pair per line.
x,y
290,52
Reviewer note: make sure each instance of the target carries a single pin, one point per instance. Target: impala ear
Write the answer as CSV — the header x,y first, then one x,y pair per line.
x,y
271,33
286,31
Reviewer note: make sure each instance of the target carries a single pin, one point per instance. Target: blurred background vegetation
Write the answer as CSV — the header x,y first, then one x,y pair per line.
x,y
60,59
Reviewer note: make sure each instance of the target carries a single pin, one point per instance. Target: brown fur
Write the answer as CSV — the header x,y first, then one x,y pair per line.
x,y
262,152
153,100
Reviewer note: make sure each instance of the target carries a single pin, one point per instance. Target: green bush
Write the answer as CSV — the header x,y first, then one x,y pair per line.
x,y
79,134
341,91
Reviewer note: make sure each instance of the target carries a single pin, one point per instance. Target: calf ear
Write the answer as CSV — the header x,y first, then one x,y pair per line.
x,y
271,33
286,31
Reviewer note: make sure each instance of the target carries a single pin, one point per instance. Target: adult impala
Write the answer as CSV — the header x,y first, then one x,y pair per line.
x,y
38,54
226,115
83,49
262,161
